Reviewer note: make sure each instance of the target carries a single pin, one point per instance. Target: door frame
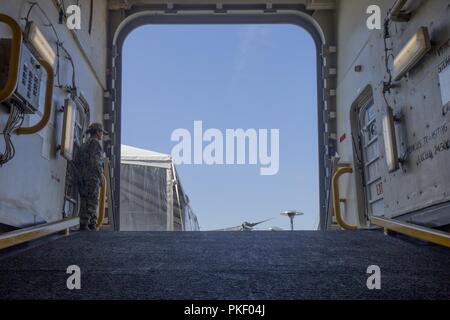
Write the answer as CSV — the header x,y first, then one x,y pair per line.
x,y
359,173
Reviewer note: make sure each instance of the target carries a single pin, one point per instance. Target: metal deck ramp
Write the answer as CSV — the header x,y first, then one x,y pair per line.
x,y
228,265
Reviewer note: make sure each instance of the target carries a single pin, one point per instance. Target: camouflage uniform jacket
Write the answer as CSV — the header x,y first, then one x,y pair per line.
x,y
89,160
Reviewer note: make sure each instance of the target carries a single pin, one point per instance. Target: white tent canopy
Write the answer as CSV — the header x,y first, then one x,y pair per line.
x,y
133,155
151,196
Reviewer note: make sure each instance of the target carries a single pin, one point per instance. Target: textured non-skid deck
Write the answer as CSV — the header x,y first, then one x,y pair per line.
x,y
234,265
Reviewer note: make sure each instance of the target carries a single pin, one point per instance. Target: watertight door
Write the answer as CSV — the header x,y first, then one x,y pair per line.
x,y
371,159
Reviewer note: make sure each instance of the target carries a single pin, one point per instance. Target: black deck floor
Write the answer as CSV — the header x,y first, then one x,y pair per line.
x,y
220,265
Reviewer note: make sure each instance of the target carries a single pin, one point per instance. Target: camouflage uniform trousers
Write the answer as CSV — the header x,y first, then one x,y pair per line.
x,y
89,190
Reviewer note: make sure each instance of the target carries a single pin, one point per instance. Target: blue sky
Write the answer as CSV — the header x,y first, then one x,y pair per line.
x,y
229,76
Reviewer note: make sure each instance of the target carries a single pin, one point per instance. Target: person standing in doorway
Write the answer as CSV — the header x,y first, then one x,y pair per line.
x,y
89,164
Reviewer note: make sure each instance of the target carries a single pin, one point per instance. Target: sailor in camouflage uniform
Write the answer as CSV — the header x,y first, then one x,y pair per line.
x,y
89,163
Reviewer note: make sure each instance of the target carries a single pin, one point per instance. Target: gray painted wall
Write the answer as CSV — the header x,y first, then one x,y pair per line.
x,y
32,184
417,184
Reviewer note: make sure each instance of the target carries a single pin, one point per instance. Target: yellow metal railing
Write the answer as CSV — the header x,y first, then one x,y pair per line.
x,y
14,58
337,200
105,195
13,74
415,231
102,204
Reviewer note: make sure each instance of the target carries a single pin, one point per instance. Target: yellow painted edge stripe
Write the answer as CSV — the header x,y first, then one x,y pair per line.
x,y
14,238
102,202
109,196
419,232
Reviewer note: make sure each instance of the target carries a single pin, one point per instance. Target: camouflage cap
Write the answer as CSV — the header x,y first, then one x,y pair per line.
x,y
95,127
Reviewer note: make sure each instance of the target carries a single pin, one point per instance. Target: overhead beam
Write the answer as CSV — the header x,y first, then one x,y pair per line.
x,y
310,4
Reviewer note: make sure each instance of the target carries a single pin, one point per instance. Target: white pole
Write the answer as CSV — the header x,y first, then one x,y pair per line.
x,y
178,196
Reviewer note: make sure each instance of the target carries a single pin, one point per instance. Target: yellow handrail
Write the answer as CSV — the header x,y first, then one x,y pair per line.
x,y
48,102
14,58
102,200
336,198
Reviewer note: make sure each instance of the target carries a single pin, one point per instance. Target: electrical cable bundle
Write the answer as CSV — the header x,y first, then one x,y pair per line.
x,y
387,56
59,43
14,122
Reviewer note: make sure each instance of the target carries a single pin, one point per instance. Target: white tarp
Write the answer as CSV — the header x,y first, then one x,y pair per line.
x,y
143,157
151,196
